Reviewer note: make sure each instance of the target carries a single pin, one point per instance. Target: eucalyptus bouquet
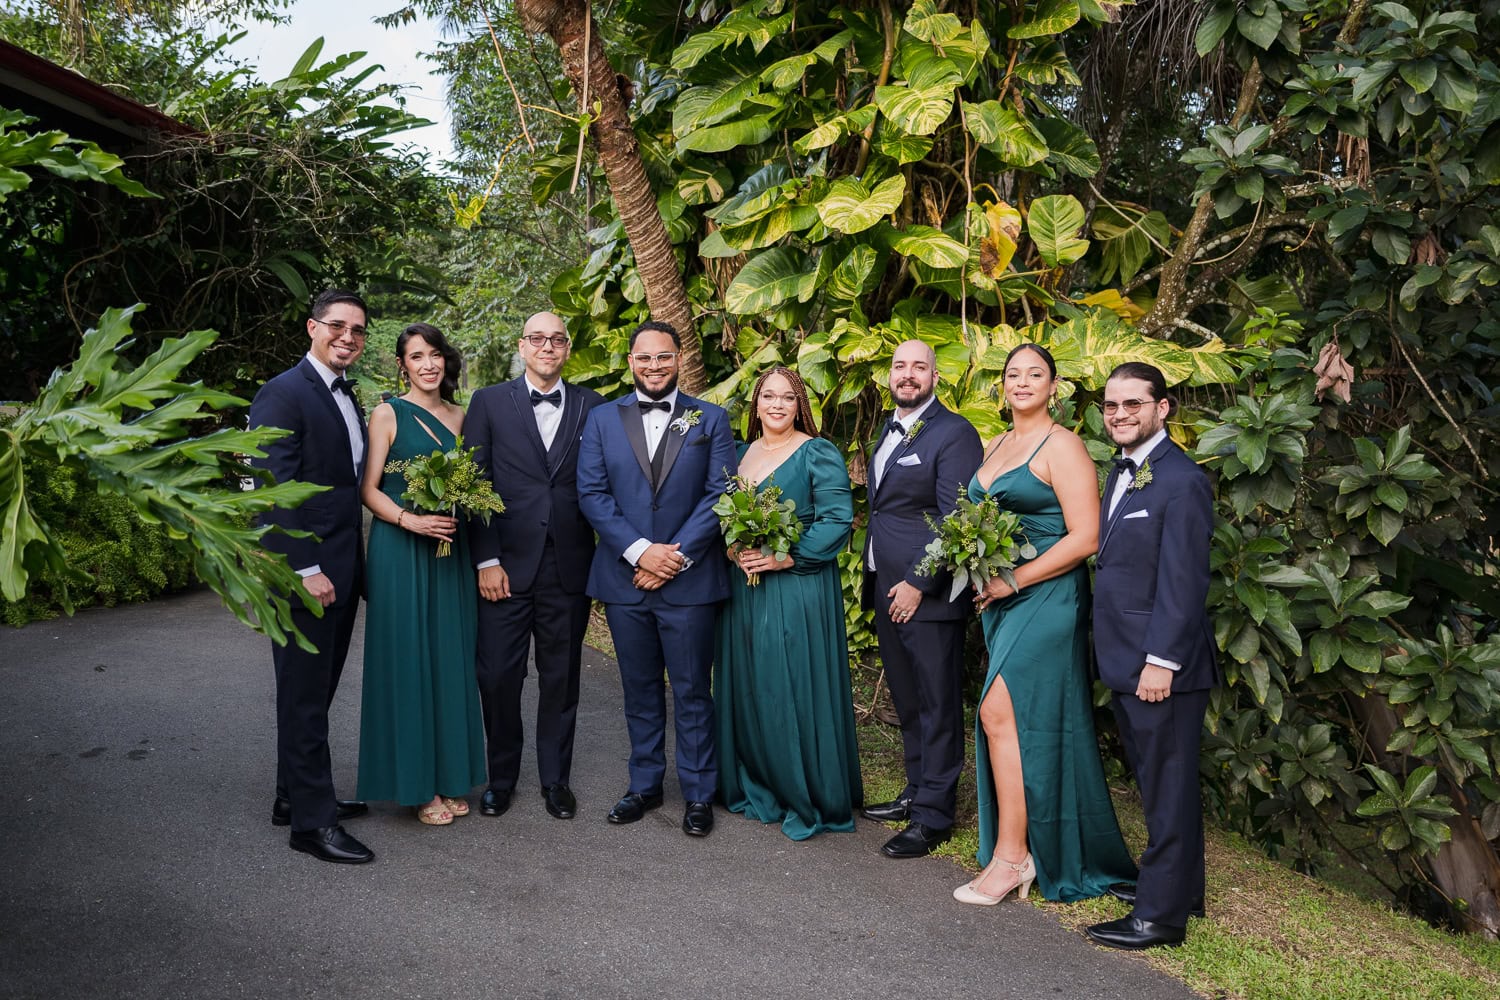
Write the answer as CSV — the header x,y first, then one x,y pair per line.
x,y
758,519
976,542
446,482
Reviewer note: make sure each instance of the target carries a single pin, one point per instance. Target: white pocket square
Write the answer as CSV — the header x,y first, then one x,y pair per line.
x,y
909,460
1136,513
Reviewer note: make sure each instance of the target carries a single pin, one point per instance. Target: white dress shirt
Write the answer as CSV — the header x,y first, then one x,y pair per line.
x,y
883,455
351,424
655,422
1138,455
548,416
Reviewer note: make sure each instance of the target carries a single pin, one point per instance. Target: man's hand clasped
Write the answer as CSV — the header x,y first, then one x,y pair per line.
x,y
905,599
494,583
658,566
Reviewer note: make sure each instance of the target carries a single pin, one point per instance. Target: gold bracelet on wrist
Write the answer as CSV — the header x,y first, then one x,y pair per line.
x,y
398,519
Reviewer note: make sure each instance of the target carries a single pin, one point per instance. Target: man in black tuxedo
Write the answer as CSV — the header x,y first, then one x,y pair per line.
x,y
924,457
1155,647
326,447
533,563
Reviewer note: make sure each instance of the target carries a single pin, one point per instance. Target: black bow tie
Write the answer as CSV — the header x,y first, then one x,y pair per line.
x,y
647,405
1125,465
895,426
341,384
554,397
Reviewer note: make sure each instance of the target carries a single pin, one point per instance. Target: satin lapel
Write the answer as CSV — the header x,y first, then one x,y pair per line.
x,y
325,394
672,440
567,431
520,398
1105,522
635,433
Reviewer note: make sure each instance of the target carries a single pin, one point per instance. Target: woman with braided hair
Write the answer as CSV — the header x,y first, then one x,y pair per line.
x,y
787,752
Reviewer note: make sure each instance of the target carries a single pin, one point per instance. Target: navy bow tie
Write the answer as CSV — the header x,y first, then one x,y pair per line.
x,y
1125,465
647,405
341,384
895,426
554,397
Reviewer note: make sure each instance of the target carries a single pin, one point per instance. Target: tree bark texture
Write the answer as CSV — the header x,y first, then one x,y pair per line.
x,y
570,25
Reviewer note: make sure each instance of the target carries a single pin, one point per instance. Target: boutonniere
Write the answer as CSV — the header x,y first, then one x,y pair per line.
x,y
1142,477
916,429
688,419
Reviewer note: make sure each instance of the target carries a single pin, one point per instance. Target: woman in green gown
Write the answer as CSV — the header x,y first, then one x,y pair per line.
x,y
1044,809
784,715
421,738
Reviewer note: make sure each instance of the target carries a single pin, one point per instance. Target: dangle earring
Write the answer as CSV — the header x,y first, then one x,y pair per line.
x,y
402,381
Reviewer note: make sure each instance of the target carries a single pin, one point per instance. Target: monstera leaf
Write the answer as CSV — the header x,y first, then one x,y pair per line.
x,y
769,279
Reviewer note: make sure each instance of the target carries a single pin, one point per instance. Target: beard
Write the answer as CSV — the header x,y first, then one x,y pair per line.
x,y
915,398
662,393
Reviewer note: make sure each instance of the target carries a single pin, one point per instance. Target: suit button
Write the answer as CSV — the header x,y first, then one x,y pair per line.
x,y
656,506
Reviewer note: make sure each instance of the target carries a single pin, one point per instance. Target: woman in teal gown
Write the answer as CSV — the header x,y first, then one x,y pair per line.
x,y
421,739
784,715
1040,781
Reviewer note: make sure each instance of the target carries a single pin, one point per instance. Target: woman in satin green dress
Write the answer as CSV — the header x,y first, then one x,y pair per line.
x,y
1044,809
784,715
421,737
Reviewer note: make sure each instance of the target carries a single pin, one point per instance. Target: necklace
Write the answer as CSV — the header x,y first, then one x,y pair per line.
x,y
774,447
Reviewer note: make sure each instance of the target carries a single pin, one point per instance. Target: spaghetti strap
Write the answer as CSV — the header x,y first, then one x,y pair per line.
x,y
1038,447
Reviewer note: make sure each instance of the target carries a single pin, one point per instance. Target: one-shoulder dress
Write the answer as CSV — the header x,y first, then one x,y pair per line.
x,y
420,732
1038,643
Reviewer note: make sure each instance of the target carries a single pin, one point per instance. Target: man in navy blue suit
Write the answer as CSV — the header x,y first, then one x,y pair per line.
x,y
326,447
1155,647
651,465
533,561
925,456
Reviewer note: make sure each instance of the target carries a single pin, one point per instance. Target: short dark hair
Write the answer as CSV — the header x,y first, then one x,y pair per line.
x,y
1149,374
330,297
453,362
660,327
1040,351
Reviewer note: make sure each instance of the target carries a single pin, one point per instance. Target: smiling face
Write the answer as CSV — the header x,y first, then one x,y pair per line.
x,y
1128,429
544,361
653,362
1028,382
338,336
424,364
913,375
776,405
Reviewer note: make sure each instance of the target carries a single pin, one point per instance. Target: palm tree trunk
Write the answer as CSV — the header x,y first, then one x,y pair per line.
x,y
570,24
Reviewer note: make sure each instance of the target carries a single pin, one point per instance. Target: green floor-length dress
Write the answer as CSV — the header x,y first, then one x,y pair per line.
x,y
421,733
785,719
1039,644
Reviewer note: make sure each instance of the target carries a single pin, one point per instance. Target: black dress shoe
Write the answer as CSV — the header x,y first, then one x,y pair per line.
x,y
493,803
698,819
560,801
281,811
1132,933
331,843
1125,892
633,806
894,811
916,841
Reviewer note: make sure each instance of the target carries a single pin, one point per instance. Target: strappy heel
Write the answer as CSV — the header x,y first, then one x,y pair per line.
x,y
1023,875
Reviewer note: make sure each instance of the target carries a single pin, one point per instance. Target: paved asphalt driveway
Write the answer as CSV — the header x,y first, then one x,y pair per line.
x,y
137,860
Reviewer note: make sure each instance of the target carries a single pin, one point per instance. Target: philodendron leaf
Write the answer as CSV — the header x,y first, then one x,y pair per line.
x,y
850,207
769,279
1054,223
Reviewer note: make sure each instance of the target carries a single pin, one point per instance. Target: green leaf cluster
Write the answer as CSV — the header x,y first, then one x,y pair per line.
x,y
975,543
752,517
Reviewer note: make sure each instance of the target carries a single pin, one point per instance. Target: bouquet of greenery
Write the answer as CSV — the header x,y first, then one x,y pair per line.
x,y
976,543
446,482
757,519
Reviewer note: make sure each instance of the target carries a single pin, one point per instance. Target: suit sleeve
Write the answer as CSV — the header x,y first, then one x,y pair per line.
x,y
833,509
479,434
955,464
700,534
274,406
616,533
1182,571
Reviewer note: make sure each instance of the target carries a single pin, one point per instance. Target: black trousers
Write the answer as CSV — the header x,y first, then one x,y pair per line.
x,y
305,685
1161,742
557,620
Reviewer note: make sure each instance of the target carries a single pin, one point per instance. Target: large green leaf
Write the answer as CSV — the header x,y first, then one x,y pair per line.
x,y
718,138
769,279
1069,146
924,22
850,207
932,247
848,279
1054,223
1000,129
700,185
1049,17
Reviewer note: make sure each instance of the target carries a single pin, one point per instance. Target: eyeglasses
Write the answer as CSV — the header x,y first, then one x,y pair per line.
x,y
786,399
1130,406
338,327
657,359
557,340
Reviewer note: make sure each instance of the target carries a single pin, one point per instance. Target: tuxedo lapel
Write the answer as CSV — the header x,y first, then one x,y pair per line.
x,y
635,433
325,396
567,431
520,397
673,441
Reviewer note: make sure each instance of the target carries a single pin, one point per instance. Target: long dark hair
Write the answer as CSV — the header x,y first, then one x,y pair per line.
x,y
453,362
803,421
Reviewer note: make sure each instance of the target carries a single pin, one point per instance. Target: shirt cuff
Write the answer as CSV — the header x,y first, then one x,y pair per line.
x,y
312,570
487,564
686,562
636,550
1158,661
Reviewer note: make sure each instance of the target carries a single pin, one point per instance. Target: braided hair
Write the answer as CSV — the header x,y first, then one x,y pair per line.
x,y
803,421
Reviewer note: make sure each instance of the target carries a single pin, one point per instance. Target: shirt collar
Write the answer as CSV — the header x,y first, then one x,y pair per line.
x,y
535,388
327,374
916,414
670,399
1146,447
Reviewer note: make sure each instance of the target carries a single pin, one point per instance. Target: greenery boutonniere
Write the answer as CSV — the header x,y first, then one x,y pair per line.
x,y
1142,477
688,419
916,429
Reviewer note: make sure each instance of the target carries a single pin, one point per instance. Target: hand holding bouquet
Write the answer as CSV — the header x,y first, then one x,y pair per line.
x,y
446,482
758,519
976,543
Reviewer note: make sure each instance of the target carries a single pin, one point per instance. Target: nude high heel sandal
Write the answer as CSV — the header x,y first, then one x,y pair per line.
x,y
1023,875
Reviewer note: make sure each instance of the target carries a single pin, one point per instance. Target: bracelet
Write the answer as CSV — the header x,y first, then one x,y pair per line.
x,y
398,519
